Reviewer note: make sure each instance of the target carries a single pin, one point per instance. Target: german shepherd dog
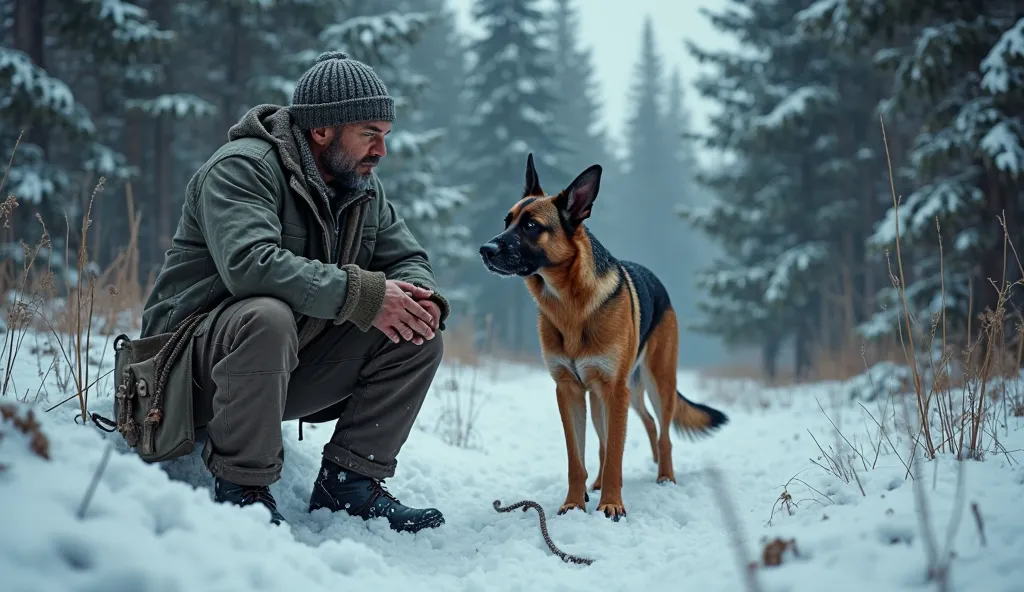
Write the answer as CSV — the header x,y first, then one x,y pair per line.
x,y
606,327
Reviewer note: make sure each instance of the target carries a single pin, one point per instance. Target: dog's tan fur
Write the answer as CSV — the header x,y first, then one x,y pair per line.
x,y
590,335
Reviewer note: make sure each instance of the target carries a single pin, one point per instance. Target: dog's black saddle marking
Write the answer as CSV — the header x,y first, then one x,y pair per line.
x,y
651,295
650,292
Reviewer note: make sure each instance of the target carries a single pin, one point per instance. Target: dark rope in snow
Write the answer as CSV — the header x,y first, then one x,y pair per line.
x,y
526,505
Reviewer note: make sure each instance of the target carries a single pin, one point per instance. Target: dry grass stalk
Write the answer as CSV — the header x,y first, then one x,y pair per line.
x,y
982,372
900,285
66,312
787,502
84,328
460,409
968,420
838,463
979,372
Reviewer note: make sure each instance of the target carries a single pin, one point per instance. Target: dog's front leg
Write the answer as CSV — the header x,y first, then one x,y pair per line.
x,y
572,406
616,408
597,417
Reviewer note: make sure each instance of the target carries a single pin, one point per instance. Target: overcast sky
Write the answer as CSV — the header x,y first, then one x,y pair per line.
x,y
613,35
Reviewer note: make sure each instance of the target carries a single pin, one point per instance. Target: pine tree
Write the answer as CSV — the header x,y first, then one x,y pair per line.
x,y
578,108
234,55
955,132
647,136
119,74
512,115
411,173
787,211
578,113
41,105
440,57
677,119
156,93
627,212
141,102
638,221
679,180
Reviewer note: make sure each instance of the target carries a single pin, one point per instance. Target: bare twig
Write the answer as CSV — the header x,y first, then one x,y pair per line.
x,y
976,511
95,480
732,525
912,357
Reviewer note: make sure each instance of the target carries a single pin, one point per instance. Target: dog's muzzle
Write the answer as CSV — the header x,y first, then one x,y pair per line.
x,y
490,250
499,258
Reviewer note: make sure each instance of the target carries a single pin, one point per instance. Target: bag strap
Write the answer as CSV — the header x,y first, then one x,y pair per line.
x,y
98,419
165,359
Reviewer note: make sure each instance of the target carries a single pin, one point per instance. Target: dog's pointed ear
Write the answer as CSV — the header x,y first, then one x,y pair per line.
x,y
532,187
576,201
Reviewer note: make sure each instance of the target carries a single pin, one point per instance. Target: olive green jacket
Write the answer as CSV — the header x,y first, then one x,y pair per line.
x,y
253,225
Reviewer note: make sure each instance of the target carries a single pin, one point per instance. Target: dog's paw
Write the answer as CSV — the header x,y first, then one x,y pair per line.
x,y
571,506
663,479
596,485
613,511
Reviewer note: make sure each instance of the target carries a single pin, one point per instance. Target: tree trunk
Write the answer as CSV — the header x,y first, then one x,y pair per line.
x,y
849,301
134,132
770,357
992,269
163,155
28,29
29,38
825,317
801,350
870,212
238,60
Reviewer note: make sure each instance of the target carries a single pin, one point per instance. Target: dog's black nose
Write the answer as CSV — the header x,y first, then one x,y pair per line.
x,y
489,250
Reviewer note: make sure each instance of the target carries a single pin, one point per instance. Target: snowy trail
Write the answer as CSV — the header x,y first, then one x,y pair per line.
x,y
522,457
146,532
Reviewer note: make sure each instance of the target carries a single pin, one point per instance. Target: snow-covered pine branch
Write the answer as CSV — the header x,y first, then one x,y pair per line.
x,y
177,105
29,88
373,39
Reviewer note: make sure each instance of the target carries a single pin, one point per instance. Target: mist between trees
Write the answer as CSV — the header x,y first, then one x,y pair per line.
x,y
784,246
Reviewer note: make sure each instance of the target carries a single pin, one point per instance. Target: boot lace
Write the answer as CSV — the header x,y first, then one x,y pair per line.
x,y
379,489
253,495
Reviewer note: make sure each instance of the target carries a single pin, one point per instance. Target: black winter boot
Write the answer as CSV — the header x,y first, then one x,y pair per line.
x,y
337,489
246,495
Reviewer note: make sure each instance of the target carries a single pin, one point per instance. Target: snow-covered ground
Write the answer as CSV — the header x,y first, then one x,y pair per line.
x,y
150,528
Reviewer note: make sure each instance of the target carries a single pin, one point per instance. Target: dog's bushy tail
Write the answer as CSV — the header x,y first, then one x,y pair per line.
x,y
696,419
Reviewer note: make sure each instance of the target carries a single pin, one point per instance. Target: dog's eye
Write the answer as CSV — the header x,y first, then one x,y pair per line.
x,y
530,226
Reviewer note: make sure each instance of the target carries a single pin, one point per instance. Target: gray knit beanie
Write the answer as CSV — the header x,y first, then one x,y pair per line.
x,y
337,90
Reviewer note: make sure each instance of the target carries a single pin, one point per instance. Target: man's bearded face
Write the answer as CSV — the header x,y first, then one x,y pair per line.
x,y
344,166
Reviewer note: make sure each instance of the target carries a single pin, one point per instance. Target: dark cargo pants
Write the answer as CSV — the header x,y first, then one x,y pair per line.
x,y
250,376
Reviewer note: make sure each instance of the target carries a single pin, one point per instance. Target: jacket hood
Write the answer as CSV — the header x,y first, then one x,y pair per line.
x,y
273,124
